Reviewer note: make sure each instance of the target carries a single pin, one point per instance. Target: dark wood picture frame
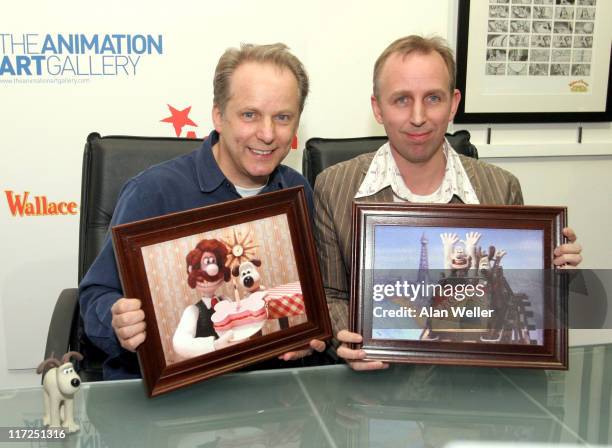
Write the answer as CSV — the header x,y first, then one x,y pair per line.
x,y
552,353
531,113
129,239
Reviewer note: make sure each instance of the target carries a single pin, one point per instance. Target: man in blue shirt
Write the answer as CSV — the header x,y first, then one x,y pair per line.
x,y
259,94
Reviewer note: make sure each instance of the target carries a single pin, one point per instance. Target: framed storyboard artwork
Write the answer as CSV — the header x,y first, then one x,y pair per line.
x,y
459,284
223,286
521,61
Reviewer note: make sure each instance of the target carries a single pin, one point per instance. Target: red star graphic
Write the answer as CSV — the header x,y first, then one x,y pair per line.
x,y
179,118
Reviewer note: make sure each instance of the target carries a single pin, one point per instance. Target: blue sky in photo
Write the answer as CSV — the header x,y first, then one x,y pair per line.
x,y
399,247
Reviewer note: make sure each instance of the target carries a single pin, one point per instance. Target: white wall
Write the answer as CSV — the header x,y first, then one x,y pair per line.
x,y
580,182
337,41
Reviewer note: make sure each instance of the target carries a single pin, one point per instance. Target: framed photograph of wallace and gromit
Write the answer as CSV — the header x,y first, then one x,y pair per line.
x,y
536,61
223,286
459,284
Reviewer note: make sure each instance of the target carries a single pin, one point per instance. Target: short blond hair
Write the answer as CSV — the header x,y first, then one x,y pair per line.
x,y
419,44
277,54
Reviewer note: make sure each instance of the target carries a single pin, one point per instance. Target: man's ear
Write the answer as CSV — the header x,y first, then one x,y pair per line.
x,y
455,100
376,109
217,117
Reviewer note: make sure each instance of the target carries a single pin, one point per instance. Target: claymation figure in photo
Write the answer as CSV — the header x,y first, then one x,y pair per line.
x,y
459,255
195,334
250,280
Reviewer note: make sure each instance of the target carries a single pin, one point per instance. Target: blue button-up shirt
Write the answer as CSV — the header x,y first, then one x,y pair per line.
x,y
186,182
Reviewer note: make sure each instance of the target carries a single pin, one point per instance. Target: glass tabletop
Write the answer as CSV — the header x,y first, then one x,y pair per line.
x,y
332,406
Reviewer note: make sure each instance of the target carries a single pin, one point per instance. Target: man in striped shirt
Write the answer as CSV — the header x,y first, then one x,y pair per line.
x,y
414,98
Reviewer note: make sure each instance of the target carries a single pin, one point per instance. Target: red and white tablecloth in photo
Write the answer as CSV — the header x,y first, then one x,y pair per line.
x,y
285,300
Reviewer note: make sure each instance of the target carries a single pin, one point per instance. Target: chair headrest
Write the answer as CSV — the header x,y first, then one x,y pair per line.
x,y
321,153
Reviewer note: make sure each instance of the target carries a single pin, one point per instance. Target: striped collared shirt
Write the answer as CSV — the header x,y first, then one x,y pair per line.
x,y
383,172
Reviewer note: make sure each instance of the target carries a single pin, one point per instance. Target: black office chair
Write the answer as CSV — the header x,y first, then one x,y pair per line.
x,y
108,162
320,153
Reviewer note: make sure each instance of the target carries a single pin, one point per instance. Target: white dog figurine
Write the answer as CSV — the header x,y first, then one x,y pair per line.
x,y
60,383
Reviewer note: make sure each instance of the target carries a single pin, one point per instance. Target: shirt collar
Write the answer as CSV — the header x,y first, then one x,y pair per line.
x,y
276,181
210,176
383,173
208,300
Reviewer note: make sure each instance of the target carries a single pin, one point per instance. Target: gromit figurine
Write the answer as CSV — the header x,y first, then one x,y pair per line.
x,y
60,383
249,277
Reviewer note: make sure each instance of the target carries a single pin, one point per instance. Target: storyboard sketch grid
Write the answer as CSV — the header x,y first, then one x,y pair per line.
x,y
540,37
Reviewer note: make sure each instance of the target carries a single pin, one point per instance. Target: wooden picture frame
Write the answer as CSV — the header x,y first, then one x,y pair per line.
x,y
545,62
163,261
398,245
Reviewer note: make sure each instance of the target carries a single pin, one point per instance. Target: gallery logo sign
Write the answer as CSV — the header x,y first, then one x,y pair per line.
x,y
56,56
24,205
180,118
